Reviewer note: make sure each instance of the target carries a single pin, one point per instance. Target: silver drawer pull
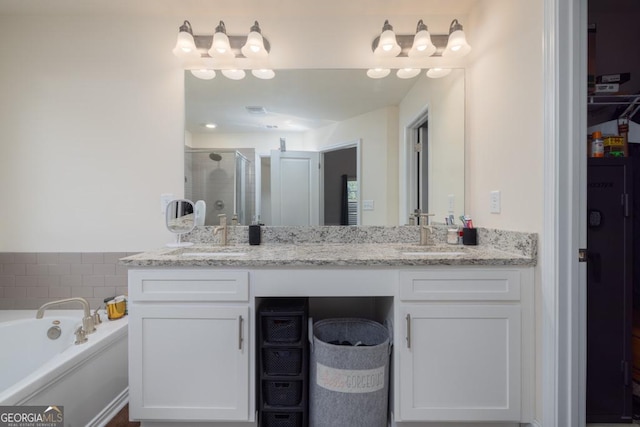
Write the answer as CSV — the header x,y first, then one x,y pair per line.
x,y
240,338
408,330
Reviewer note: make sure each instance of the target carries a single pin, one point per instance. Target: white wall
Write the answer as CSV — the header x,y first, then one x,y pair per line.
x,y
91,132
504,113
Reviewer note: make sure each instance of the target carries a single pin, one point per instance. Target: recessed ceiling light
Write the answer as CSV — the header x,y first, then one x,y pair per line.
x,y
211,125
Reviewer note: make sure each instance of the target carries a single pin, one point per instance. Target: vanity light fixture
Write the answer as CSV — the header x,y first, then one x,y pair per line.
x,y
410,52
378,73
457,45
231,55
185,45
436,73
407,73
387,45
254,47
422,44
220,47
204,73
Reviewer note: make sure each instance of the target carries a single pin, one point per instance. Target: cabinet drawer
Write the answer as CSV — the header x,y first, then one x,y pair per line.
x,y
188,285
460,285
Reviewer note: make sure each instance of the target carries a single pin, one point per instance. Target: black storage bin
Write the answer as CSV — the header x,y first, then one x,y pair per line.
x,y
282,329
282,361
282,393
281,419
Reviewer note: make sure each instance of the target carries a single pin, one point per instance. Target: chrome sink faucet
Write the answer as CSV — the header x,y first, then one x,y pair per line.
x,y
87,319
426,231
222,228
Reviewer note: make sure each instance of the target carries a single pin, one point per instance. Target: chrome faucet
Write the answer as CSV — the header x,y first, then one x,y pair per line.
x,y
425,229
222,228
87,318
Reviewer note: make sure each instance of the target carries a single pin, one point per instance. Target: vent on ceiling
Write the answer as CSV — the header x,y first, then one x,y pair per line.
x,y
272,126
256,110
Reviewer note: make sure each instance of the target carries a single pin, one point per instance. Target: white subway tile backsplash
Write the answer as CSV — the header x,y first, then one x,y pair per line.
x,y
7,281
84,292
16,269
26,280
60,269
104,269
48,281
81,269
104,291
70,258
92,280
15,292
25,258
60,292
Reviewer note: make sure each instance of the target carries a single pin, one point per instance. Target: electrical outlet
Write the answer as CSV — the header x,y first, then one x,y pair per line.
x,y
494,203
367,205
452,203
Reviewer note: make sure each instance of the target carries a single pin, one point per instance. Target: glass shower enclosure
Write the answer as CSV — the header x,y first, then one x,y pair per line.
x,y
224,179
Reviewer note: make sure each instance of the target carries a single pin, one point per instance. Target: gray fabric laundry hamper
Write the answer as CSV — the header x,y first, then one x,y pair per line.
x,y
349,384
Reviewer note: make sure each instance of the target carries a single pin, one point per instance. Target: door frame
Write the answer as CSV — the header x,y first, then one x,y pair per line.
x,y
408,198
357,144
563,281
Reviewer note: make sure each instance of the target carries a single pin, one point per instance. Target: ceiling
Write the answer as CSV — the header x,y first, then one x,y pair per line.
x,y
295,100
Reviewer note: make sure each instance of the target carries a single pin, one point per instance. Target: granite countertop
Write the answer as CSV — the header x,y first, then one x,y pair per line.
x,y
327,254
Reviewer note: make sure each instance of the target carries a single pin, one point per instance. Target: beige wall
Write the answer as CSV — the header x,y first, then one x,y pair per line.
x,y
91,130
504,113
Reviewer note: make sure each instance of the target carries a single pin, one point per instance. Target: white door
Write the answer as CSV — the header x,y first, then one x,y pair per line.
x,y
295,188
460,362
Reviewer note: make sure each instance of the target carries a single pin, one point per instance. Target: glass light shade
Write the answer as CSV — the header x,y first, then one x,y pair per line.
x,y
263,73
407,73
204,74
378,73
457,45
220,45
185,46
422,45
436,73
254,47
387,45
234,74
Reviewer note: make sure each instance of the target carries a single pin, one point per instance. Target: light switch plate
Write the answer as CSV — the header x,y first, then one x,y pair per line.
x,y
452,203
367,205
494,203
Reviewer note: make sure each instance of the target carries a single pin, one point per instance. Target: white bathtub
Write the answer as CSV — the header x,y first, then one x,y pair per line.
x,y
90,380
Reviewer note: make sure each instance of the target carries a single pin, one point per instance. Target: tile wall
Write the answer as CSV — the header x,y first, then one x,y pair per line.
x,y
28,280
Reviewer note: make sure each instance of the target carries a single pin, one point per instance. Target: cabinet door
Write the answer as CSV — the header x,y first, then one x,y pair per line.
x,y
189,362
459,362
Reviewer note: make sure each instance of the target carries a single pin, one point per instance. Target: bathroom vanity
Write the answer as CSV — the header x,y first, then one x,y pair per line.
x,y
461,320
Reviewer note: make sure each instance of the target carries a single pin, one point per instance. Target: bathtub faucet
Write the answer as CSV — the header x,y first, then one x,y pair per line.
x,y
87,319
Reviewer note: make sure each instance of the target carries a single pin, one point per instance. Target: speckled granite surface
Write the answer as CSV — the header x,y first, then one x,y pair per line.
x,y
341,246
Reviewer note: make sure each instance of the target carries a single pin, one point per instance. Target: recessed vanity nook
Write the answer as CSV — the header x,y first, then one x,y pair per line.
x,y
461,319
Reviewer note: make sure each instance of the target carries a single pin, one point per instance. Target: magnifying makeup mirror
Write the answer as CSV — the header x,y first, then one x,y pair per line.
x,y
180,219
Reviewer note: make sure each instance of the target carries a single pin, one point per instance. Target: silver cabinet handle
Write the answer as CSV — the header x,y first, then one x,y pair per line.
x,y
408,318
240,339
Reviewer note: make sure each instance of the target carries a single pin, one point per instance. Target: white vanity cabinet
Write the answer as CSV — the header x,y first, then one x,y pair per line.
x,y
189,346
464,345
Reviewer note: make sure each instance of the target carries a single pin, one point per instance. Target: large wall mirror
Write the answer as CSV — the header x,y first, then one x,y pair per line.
x,y
328,147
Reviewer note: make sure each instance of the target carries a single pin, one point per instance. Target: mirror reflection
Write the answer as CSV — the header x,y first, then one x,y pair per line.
x,y
253,147
180,219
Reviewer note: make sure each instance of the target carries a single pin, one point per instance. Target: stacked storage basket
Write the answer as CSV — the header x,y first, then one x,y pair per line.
x,y
283,363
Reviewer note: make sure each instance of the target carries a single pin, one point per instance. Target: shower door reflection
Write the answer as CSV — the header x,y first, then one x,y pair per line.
x,y
224,179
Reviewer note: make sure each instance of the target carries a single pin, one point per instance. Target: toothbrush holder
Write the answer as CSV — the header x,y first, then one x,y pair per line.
x,y
470,236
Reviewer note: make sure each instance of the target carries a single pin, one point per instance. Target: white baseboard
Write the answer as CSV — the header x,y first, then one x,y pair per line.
x,y
110,410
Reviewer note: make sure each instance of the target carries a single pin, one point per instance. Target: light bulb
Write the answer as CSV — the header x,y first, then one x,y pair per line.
x,y
407,73
436,73
204,74
378,73
263,73
234,74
